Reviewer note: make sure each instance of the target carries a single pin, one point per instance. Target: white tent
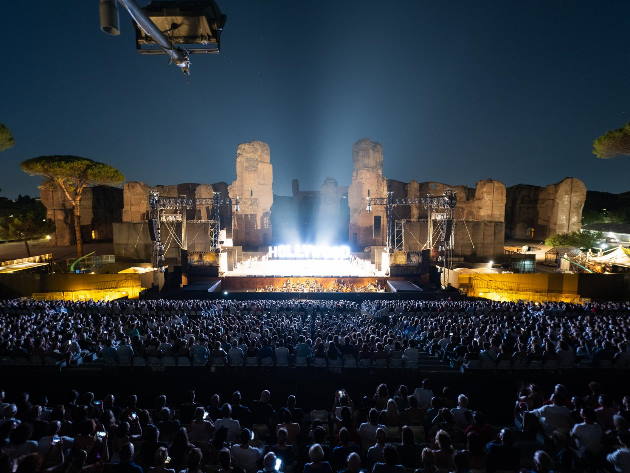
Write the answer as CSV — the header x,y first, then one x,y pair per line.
x,y
617,256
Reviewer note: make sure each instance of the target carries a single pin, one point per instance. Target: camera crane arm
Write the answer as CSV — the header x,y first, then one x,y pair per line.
x,y
109,10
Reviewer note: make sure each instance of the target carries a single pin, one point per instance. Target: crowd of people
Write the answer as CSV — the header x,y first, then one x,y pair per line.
x,y
463,332
393,430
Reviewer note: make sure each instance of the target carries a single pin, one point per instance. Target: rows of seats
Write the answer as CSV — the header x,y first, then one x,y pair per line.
x,y
552,365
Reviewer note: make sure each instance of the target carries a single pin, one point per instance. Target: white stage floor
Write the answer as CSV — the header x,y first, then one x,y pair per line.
x,y
306,267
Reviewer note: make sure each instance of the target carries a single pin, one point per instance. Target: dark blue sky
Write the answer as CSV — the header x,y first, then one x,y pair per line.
x,y
455,91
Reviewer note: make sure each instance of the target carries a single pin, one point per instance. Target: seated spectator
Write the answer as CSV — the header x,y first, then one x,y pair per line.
x,y
187,408
443,454
292,428
199,353
283,450
554,417
343,448
243,454
149,445
317,464
225,463
428,462
127,464
269,464
19,442
462,416
605,413
367,430
161,462
620,458
543,463
411,354
195,460
236,356
353,464
390,415
375,452
424,394
412,415
408,450
390,462
262,409
232,426
502,454
240,411
200,430
587,435
179,449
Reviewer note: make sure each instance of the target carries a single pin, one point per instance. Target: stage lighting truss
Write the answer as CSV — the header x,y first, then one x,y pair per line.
x,y
440,221
173,210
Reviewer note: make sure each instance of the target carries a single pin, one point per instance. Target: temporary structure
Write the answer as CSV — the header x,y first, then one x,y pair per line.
x,y
616,256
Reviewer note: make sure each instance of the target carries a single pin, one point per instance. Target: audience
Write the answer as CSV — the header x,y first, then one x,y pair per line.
x,y
464,333
77,434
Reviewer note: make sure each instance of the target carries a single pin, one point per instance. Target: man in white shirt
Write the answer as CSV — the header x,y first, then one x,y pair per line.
x,y
554,417
244,455
367,430
232,426
411,353
424,394
588,435
620,458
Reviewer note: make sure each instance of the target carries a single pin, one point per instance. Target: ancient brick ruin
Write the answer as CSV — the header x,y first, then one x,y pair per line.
x,y
101,206
484,216
534,212
253,188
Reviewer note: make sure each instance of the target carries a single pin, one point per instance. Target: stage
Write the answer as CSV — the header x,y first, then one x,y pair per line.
x,y
303,284
264,267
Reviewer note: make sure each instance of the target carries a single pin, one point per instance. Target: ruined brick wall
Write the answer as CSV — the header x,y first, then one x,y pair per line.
x,y
536,213
101,206
367,181
253,187
135,201
479,217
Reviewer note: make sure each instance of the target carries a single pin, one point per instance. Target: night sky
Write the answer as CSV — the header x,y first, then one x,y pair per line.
x,y
455,91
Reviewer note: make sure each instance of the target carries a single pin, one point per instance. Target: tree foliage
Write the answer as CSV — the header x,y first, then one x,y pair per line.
x,y
73,174
6,138
576,239
23,218
613,143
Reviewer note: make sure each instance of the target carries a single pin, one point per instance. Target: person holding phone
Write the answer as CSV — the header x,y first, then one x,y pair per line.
x,y
271,464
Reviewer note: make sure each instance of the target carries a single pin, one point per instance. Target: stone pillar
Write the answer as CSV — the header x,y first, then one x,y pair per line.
x,y
254,188
490,197
135,202
560,207
367,181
